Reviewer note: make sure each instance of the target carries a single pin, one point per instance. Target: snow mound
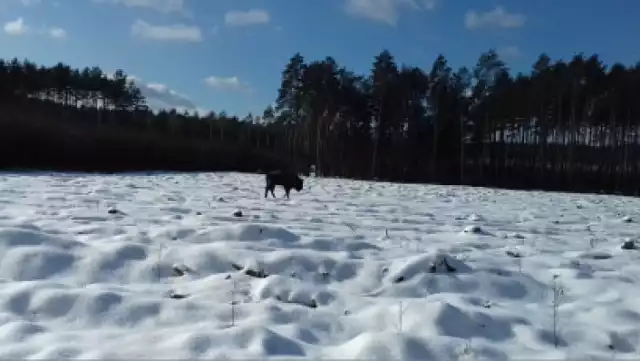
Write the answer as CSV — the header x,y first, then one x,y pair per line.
x,y
383,346
11,237
439,263
246,233
475,230
287,289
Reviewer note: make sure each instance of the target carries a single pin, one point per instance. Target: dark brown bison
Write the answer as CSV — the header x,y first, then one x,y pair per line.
x,y
287,180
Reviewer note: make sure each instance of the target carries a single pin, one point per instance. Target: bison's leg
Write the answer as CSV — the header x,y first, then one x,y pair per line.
x,y
267,188
272,188
286,191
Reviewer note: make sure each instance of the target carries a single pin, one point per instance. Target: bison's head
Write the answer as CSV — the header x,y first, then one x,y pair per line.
x,y
298,183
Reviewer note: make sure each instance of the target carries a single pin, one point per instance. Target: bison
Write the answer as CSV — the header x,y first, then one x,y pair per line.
x,y
287,180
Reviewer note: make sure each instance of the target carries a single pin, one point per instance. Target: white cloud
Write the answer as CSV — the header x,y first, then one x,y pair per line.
x,y
384,11
16,27
57,33
430,4
497,17
174,32
30,2
19,27
232,83
247,18
160,96
165,6
509,52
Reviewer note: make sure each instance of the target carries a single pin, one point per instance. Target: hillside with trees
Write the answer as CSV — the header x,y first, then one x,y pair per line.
x,y
565,125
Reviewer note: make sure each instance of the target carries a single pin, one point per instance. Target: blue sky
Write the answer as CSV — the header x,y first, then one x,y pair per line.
x,y
229,54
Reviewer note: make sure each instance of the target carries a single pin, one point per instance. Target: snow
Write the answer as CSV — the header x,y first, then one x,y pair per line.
x,y
156,266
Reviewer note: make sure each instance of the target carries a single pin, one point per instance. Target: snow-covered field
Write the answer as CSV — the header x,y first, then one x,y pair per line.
x,y
350,270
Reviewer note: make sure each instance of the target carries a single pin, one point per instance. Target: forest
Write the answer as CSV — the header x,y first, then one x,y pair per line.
x,y
565,125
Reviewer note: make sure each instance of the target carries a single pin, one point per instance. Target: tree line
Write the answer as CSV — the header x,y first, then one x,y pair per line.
x,y
569,126
565,125
60,118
